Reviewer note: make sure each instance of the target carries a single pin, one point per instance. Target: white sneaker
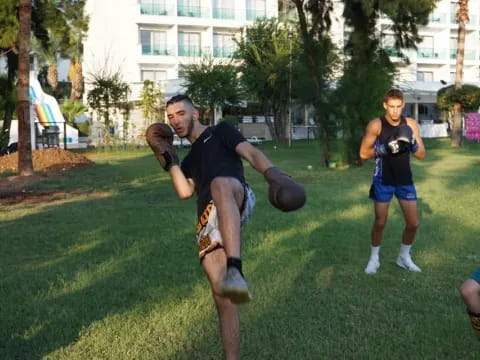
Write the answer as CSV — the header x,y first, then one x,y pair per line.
x,y
372,266
407,263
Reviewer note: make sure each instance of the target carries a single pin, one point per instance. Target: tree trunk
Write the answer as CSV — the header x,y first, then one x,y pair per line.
x,y
462,18
12,64
76,78
25,164
52,78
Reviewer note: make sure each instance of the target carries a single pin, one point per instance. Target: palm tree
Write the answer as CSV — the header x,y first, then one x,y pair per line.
x,y
25,164
78,26
462,19
48,57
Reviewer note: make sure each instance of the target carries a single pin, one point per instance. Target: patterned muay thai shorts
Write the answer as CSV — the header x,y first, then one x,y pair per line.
x,y
208,231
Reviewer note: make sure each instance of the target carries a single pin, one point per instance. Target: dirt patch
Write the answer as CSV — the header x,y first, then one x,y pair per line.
x,y
47,164
46,160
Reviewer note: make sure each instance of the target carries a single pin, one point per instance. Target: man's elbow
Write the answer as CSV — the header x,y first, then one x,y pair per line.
x,y
363,155
184,195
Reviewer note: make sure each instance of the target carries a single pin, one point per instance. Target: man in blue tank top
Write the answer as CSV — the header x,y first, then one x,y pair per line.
x,y
391,139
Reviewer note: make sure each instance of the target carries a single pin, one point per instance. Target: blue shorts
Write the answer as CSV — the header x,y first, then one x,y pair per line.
x,y
476,276
384,193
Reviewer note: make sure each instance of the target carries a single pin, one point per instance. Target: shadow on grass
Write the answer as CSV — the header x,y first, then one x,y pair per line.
x,y
134,251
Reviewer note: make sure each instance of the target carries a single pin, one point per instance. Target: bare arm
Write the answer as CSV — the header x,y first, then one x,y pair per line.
x,y
255,157
420,153
367,150
184,187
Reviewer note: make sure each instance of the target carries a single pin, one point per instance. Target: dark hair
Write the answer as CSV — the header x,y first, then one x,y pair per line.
x,y
178,98
393,94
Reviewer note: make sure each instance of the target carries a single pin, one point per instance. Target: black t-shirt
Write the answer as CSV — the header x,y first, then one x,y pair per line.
x,y
212,155
392,170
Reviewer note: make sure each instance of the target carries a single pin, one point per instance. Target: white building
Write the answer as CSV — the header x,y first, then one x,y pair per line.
x,y
154,39
432,65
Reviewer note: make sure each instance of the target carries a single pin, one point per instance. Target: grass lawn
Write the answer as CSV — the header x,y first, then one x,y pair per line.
x,y
110,271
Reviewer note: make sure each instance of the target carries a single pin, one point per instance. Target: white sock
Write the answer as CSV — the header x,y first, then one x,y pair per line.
x,y
374,252
405,250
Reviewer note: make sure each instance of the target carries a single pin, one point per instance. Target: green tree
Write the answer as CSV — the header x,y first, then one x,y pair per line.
x,y
368,71
71,110
468,96
152,103
319,55
108,96
462,19
212,84
269,54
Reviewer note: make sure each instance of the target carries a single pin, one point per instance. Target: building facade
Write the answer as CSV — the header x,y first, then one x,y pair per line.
x,y
155,39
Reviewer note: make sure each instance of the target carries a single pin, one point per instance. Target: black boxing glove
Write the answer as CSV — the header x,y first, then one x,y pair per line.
x,y
283,192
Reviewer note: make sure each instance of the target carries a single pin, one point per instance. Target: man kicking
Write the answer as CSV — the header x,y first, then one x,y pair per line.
x,y
470,292
391,139
213,170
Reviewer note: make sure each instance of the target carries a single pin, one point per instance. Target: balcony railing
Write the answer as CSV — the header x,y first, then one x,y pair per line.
x,y
157,50
391,51
473,19
435,54
468,54
227,14
437,18
223,52
193,11
192,51
156,9
254,14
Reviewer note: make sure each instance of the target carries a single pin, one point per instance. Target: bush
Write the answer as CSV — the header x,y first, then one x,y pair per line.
x,y
467,95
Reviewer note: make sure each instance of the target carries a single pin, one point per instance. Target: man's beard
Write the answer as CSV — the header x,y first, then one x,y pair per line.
x,y
189,128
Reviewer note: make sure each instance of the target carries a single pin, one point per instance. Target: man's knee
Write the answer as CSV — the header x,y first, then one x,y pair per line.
x,y
413,225
470,291
380,223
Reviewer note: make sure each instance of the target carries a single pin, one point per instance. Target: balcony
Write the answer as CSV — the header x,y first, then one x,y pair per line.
x,y
157,50
437,18
193,11
227,14
254,14
468,54
192,51
434,54
223,51
156,9
473,19
391,51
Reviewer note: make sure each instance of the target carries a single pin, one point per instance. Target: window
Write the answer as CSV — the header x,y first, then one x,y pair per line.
x,y
189,44
154,75
424,76
223,45
153,42
223,9
255,9
153,7
189,8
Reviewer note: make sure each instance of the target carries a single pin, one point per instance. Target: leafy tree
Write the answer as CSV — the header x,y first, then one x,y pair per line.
x,y
108,96
462,19
468,96
319,56
71,110
212,84
269,55
368,71
152,103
